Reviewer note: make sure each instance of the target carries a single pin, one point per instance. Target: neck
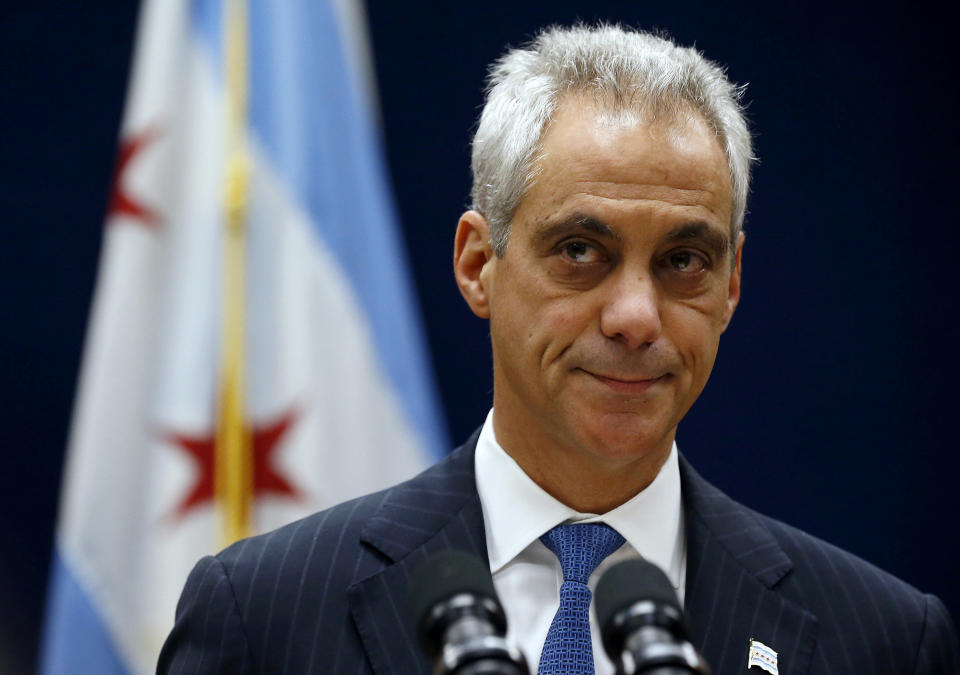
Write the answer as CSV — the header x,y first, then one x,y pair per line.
x,y
585,481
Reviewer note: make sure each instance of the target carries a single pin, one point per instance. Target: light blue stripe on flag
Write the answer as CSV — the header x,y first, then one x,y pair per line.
x,y
318,129
207,17
74,637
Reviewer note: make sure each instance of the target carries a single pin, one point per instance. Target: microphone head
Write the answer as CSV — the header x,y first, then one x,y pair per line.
x,y
625,585
629,582
446,586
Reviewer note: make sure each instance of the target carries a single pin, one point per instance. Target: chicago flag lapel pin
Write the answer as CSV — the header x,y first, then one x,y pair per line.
x,y
762,657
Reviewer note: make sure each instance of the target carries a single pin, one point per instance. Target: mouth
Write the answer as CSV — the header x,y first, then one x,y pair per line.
x,y
628,385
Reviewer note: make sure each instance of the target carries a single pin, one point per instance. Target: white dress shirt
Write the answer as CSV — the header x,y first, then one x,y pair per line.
x,y
527,575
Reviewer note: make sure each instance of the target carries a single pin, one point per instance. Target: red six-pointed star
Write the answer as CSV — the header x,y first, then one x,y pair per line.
x,y
121,202
264,441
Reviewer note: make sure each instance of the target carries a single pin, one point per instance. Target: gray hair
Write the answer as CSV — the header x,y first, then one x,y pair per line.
x,y
622,69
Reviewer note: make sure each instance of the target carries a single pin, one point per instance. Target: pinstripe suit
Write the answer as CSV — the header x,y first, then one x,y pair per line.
x,y
326,594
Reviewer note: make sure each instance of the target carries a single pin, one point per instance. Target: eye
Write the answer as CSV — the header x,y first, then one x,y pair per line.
x,y
686,262
581,252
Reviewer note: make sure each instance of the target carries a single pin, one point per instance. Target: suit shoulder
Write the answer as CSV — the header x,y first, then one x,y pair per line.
x,y
834,566
341,521
864,616
330,540
853,597
818,569
279,591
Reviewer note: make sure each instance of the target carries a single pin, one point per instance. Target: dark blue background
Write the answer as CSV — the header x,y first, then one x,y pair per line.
x,y
832,403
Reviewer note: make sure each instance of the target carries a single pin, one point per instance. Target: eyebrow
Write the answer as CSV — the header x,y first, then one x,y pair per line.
x,y
577,222
718,241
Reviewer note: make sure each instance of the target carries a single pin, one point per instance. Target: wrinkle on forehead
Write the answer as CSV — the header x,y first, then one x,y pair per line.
x,y
623,112
594,160
627,191
682,155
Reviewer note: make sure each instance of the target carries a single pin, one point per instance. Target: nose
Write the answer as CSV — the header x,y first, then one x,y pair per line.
x,y
631,313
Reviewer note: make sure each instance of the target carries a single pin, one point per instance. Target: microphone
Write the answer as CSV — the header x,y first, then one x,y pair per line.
x,y
642,624
460,622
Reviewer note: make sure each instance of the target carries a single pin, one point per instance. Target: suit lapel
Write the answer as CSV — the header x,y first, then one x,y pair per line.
x,y
733,567
438,510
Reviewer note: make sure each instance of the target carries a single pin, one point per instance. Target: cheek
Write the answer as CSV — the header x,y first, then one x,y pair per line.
x,y
523,330
704,313
562,322
559,320
696,336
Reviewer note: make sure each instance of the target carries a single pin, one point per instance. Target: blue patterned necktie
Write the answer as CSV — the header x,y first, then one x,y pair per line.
x,y
580,548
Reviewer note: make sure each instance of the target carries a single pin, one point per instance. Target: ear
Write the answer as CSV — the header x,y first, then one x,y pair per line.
x,y
473,259
733,288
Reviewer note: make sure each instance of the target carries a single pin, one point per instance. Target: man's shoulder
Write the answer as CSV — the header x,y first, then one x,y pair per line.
x,y
811,561
854,599
838,574
811,552
855,613
272,595
847,596
338,532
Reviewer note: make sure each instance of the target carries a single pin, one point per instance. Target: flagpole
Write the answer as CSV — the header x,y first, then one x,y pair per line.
x,y
234,474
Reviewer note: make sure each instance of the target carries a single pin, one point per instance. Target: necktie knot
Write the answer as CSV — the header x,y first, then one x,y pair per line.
x,y
581,547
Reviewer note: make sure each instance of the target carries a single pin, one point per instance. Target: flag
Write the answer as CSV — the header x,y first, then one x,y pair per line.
x,y
761,656
254,352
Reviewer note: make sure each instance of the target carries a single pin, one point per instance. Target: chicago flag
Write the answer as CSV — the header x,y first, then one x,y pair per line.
x,y
254,352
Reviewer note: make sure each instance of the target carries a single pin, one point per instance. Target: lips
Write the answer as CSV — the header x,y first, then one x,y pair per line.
x,y
628,384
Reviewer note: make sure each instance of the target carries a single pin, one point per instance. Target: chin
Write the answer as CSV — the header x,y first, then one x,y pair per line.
x,y
626,437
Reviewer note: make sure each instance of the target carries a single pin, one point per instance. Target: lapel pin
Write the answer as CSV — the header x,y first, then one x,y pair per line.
x,y
762,657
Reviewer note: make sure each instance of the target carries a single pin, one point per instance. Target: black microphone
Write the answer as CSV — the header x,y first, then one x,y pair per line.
x,y
642,624
459,619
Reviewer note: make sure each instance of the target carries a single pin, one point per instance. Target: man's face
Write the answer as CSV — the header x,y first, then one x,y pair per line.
x,y
607,306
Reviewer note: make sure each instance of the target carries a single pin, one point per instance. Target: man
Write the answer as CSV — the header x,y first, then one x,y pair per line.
x,y
610,180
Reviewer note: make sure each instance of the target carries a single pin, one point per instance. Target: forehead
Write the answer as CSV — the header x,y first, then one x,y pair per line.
x,y
592,159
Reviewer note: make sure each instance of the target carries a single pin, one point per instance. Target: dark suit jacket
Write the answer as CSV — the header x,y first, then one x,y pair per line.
x,y
326,594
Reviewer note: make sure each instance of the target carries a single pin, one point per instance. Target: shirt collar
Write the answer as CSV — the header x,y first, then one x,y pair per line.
x,y
517,511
